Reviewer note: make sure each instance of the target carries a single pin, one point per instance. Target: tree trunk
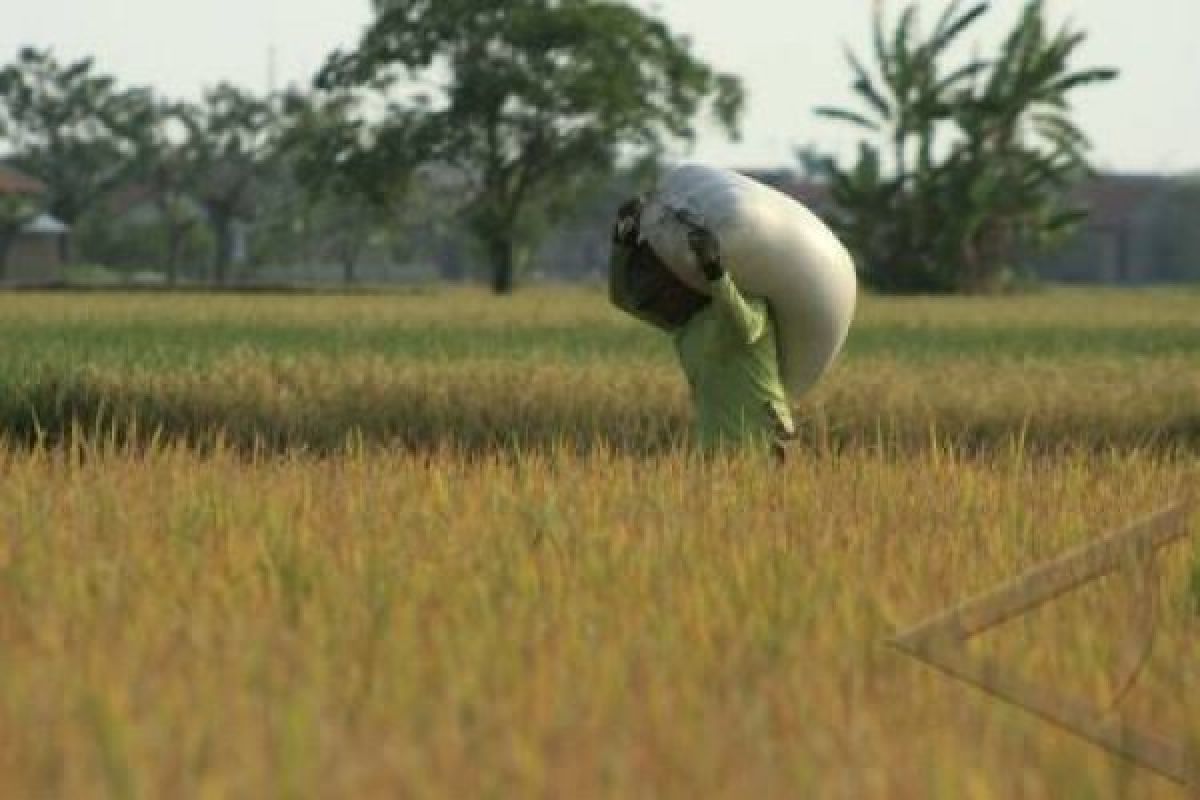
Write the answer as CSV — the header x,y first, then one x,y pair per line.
x,y
449,262
173,233
174,236
500,255
349,276
223,233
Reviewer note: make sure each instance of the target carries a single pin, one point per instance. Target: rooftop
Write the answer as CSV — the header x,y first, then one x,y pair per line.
x,y
13,181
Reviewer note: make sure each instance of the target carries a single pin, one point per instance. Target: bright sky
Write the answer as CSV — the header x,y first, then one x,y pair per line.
x,y
788,52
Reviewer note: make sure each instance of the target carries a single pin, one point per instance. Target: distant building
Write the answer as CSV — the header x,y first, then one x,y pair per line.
x,y
36,255
13,181
1118,243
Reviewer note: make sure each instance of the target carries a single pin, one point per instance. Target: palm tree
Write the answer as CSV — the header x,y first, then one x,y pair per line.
x,y
962,168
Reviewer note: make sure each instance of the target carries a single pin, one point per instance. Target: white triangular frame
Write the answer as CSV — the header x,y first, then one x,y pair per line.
x,y
940,642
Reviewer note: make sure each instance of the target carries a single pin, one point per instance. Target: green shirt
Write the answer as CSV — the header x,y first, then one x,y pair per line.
x,y
729,353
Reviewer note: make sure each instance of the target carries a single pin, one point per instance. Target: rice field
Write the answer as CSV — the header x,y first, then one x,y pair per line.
x,y
436,544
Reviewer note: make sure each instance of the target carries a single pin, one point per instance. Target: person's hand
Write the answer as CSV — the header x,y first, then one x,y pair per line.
x,y
705,246
625,230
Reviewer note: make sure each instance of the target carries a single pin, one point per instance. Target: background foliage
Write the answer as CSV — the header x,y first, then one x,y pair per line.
x,y
966,163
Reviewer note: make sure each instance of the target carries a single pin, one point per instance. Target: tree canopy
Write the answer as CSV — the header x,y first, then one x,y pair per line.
x,y
235,138
62,123
168,162
524,98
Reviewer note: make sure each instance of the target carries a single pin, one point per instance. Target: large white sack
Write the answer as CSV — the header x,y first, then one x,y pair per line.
x,y
773,247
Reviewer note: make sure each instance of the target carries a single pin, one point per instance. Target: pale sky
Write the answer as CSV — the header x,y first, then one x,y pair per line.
x,y
788,52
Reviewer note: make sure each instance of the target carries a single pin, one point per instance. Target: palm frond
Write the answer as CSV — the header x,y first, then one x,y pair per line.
x,y
845,115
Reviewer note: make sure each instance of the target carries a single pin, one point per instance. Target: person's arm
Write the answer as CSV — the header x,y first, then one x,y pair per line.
x,y
624,242
618,271
748,322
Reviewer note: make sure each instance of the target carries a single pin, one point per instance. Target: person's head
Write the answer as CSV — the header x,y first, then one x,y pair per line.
x,y
659,294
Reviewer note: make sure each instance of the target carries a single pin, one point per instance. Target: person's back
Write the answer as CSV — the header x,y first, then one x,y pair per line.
x,y
729,353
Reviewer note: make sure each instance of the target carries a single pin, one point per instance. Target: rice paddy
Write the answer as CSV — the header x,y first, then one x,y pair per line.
x,y
438,544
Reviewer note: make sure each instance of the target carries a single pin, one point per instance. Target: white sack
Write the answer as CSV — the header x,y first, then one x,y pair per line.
x,y
774,248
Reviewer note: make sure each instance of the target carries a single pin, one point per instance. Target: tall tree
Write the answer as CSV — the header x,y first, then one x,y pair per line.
x,y
168,162
522,98
58,122
234,140
964,167
346,207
